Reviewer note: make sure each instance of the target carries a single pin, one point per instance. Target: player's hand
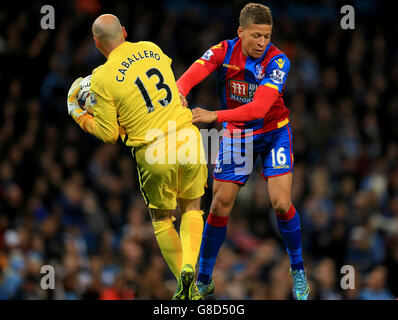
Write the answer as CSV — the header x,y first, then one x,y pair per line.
x,y
202,115
74,109
184,101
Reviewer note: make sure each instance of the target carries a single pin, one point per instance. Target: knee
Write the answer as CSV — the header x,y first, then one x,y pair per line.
x,y
220,206
159,215
281,206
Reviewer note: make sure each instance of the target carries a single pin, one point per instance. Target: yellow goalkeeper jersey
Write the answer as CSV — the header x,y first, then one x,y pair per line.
x,y
134,94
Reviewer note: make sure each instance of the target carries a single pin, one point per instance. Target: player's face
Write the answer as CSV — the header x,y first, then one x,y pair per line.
x,y
255,38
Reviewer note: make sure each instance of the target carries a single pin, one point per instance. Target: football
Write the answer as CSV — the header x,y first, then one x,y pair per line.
x,y
84,96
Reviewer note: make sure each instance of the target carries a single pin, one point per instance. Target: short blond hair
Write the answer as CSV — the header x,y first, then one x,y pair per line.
x,y
255,13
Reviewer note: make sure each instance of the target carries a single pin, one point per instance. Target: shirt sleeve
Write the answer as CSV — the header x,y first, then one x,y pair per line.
x,y
213,58
276,73
103,124
210,61
194,75
97,69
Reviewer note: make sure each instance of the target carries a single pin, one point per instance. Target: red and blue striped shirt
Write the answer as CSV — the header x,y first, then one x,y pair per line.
x,y
239,77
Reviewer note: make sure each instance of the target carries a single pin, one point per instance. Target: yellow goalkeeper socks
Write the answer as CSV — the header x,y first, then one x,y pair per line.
x,y
169,243
191,230
179,252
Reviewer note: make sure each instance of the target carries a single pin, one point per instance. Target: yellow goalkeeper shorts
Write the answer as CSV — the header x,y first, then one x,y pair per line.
x,y
171,168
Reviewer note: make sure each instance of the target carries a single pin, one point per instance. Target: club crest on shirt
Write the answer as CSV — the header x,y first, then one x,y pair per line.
x,y
259,72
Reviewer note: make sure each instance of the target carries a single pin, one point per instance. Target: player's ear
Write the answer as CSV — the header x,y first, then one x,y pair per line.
x,y
124,33
240,31
97,44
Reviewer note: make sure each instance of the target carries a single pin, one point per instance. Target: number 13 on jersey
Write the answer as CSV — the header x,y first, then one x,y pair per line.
x,y
160,86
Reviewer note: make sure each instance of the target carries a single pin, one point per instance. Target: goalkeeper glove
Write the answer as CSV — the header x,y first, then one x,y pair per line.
x,y
74,109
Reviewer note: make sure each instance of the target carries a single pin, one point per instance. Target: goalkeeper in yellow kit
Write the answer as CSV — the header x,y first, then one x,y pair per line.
x,y
134,95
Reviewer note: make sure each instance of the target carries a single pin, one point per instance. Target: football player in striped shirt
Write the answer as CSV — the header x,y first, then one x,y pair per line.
x,y
251,74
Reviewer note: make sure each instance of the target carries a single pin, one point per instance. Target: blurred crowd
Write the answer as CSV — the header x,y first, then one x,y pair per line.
x,y
72,202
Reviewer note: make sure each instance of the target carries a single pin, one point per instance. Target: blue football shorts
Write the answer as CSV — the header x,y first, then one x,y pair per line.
x,y
237,156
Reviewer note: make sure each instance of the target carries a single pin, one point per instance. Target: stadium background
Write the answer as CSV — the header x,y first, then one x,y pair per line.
x,y
69,201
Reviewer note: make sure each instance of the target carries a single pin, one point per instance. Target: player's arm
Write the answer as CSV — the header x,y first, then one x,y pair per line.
x,y
103,124
195,74
263,99
266,95
201,68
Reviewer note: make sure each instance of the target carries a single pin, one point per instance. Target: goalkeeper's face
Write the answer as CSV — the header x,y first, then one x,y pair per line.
x,y
255,39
